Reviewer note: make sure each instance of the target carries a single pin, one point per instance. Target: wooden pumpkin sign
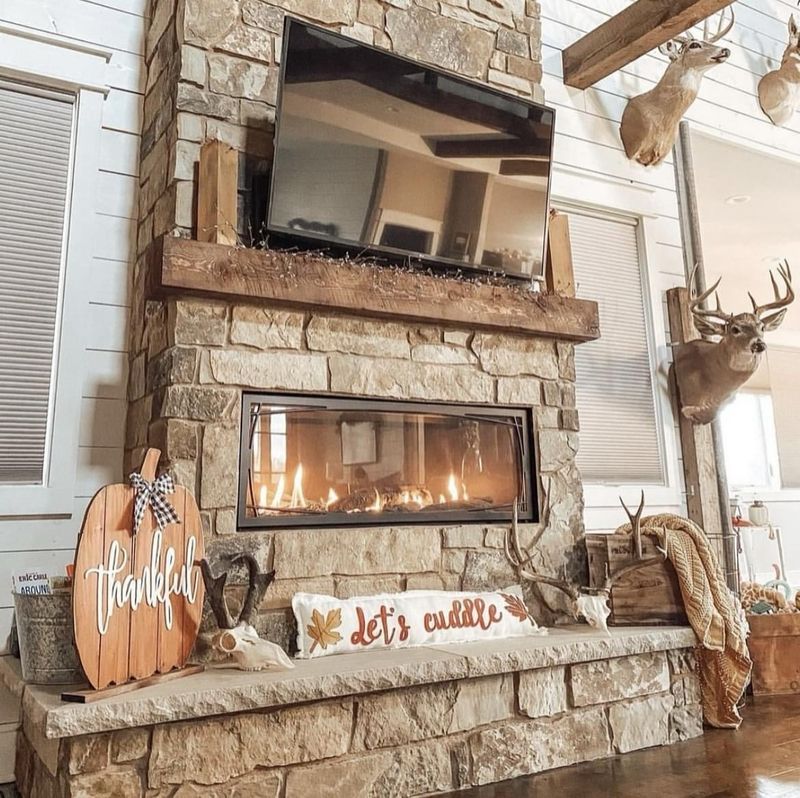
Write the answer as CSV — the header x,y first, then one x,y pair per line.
x,y
138,595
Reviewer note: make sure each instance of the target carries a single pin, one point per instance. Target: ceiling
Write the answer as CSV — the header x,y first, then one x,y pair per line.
x,y
743,240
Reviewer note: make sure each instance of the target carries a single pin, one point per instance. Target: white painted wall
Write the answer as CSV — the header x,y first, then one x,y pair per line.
x,y
592,168
117,26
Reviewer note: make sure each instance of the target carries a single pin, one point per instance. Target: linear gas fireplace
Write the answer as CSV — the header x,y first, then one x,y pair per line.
x,y
310,461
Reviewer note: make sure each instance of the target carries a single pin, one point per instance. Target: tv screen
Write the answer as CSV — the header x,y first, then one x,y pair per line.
x,y
380,154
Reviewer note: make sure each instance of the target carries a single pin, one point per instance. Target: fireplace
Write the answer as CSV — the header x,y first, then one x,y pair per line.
x,y
311,461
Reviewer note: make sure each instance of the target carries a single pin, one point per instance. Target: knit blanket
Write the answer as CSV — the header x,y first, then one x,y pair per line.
x,y
714,614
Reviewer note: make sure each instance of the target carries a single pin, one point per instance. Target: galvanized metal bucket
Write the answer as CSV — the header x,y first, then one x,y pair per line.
x,y
46,639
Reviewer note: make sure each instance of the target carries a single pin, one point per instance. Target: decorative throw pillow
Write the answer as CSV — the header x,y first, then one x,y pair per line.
x,y
328,625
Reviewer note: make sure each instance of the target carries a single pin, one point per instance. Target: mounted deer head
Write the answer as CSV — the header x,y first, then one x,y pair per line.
x,y
588,603
779,90
650,122
709,373
238,638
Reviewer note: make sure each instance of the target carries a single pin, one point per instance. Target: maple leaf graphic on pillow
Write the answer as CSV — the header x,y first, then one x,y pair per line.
x,y
323,630
516,607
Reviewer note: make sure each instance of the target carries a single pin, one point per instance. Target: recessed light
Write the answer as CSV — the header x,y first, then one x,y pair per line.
x,y
392,109
738,199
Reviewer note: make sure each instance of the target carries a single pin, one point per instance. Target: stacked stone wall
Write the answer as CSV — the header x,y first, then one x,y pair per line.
x,y
405,742
186,390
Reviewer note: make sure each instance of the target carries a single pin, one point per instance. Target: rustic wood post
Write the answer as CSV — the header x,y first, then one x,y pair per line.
x,y
217,198
704,503
559,275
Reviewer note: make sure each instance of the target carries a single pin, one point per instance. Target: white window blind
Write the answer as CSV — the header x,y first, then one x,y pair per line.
x,y
619,438
784,380
35,148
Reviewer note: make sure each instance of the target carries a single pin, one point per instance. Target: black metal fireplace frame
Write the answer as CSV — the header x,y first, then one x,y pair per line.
x,y
520,417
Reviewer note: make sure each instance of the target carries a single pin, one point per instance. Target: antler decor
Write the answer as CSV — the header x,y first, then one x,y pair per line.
x,y
238,638
650,121
710,372
588,603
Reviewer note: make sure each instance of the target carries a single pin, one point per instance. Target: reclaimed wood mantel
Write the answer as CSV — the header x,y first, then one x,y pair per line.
x,y
309,280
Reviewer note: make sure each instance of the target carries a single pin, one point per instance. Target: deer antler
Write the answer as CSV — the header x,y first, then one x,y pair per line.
x,y
258,584
517,558
215,590
710,322
636,521
780,301
721,32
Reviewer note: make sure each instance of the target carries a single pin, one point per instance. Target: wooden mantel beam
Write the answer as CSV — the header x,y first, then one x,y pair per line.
x,y
308,280
641,27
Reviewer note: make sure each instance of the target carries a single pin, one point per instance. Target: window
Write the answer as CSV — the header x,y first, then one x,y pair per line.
x,y
784,380
749,441
36,138
621,442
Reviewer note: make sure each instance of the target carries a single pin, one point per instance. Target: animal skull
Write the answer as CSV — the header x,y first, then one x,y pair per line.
x,y
709,373
250,652
238,638
779,90
587,603
595,609
650,122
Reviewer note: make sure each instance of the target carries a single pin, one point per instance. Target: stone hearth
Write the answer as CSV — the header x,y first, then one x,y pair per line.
x,y
400,723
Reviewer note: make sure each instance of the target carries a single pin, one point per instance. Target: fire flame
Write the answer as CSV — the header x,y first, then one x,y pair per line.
x,y
298,499
263,496
278,497
377,505
332,497
452,489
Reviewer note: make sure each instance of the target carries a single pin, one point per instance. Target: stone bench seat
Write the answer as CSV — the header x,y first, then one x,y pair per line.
x,y
413,721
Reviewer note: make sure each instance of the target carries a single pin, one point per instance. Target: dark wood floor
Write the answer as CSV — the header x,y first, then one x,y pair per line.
x,y
761,760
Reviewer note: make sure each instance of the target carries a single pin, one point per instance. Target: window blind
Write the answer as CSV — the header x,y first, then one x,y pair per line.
x,y
784,379
35,149
619,438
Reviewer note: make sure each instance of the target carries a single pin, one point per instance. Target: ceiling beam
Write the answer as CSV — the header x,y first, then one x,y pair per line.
x,y
641,27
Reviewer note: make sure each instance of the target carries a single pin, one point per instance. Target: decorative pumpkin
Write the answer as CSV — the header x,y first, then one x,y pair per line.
x,y
138,594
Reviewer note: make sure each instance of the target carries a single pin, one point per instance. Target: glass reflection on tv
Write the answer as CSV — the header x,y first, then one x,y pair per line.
x,y
381,153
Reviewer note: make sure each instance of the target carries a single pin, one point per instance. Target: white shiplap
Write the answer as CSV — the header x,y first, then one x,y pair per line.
x,y
592,167
117,26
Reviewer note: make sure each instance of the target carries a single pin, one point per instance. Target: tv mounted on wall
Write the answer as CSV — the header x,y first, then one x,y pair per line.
x,y
382,155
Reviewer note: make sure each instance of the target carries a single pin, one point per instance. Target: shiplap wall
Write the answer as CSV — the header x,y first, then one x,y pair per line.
x,y
118,26
593,169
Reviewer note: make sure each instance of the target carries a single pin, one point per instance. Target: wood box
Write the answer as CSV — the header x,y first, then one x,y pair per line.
x,y
774,645
649,596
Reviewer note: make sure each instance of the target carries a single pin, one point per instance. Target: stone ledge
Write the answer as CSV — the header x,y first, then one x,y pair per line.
x,y
224,691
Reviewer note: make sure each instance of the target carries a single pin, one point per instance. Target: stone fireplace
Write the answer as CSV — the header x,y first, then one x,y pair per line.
x,y
199,346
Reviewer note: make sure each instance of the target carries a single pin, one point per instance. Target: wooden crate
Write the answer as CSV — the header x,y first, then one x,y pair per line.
x,y
774,645
649,596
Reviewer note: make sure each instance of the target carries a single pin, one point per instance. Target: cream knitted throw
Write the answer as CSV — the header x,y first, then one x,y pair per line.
x,y
714,614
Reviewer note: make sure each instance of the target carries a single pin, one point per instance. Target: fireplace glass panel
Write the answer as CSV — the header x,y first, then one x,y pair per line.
x,y
314,462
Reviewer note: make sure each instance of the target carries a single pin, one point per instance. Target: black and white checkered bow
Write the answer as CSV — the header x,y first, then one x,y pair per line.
x,y
154,494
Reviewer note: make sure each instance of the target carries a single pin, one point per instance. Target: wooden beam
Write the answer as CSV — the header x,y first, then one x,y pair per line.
x,y
217,198
309,280
639,28
697,443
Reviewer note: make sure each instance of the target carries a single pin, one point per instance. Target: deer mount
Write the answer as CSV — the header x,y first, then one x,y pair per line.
x,y
650,122
591,604
779,90
709,373
238,638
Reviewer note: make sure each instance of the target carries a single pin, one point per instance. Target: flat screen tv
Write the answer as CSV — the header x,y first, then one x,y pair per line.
x,y
382,155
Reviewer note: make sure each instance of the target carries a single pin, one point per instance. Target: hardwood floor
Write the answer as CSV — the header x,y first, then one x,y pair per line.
x,y
761,760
